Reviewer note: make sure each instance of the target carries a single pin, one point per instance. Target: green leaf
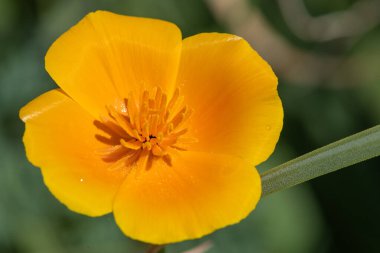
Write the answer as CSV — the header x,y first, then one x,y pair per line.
x,y
353,149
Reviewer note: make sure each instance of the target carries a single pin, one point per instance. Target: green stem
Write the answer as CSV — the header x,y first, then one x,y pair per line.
x,y
353,149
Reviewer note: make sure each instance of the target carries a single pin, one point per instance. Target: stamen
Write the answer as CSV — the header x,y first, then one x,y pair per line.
x,y
145,129
154,125
135,145
157,151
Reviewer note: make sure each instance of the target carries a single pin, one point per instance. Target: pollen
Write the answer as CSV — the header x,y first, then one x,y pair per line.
x,y
144,127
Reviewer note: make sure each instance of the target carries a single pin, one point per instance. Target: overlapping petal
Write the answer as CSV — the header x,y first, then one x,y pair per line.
x,y
198,194
233,92
60,139
104,57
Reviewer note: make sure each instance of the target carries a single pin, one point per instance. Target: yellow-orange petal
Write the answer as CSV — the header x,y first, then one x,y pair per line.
x,y
106,56
233,92
60,139
199,193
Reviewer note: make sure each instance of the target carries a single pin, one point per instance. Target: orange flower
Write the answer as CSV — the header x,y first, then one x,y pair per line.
x,y
162,132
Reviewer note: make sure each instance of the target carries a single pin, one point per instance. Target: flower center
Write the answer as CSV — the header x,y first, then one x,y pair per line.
x,y
144,127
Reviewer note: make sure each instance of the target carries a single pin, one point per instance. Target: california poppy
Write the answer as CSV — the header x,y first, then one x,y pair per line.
x,y
163,132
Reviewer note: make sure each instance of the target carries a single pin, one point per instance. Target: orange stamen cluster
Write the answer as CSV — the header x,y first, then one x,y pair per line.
x,y
145,127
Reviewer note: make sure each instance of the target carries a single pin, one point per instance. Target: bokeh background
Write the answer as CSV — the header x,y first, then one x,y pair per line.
x,y
327,56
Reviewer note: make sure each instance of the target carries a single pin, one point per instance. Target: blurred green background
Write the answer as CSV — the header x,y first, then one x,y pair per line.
x,y
327,56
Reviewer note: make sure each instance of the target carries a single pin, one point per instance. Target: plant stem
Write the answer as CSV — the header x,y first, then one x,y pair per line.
x,y
156,249
353,149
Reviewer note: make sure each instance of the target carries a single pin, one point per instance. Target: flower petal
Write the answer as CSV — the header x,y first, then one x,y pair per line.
x,y
106,56
233,92
60,139
198,194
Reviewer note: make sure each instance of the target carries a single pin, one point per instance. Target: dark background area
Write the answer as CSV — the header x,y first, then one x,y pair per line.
x,y
327,57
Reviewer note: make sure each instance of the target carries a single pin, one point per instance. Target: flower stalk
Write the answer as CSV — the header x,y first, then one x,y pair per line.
x,y
338,155
156,249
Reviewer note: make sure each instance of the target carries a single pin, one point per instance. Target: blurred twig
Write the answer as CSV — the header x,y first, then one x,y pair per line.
x,y
293,64
357,20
